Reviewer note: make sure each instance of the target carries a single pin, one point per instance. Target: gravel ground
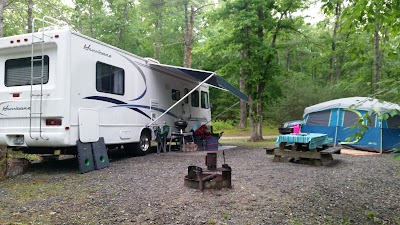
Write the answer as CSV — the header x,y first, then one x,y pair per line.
x,y
150,190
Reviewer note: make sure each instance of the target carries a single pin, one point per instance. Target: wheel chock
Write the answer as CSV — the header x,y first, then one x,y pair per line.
x,y
85,156
100,154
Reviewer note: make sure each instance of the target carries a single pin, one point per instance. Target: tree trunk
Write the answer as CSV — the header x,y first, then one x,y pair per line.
x,y
90,20
188,40
332,60
376,64
2,6
158,39
158,29
121,28
78,9
384,42
243,106
30,6
256,117
186,34
259,108
339,62
287,59
261,84
253,134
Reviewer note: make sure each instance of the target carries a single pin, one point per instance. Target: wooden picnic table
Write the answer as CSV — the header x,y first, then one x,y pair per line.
x,y
304,146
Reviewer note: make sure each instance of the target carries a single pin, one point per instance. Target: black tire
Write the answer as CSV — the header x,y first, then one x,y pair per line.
x,y
142,147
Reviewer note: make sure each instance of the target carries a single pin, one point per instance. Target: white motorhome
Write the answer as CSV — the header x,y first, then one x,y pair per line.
x,y
58,86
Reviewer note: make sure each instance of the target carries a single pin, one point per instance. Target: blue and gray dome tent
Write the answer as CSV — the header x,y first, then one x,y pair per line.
x,y
335,118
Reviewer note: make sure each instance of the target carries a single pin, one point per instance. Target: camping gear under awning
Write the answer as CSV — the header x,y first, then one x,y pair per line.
x,y
201,75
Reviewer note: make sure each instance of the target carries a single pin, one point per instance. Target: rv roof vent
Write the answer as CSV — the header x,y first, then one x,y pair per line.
x,y
152,60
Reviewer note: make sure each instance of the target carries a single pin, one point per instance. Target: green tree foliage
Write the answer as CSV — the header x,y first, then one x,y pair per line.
x,y
287,64
15,19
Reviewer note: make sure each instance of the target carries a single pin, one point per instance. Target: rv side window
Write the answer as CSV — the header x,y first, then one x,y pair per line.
x,y
109,79
195,98
18,71
187,98
204,100
176,94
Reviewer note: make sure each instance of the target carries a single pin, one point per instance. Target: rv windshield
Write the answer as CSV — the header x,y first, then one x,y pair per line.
x,y
18,71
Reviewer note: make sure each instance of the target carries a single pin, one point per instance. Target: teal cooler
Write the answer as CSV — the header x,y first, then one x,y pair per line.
x,y
212,142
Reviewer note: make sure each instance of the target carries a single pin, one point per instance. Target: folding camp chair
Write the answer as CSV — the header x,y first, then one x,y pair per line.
x,y
161,138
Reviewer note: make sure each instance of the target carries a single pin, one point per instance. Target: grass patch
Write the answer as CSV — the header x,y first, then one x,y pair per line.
x,y
243,142
19,154
266,130
39,188
229,127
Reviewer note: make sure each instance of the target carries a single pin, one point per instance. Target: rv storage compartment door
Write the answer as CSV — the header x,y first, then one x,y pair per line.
x,y
88,125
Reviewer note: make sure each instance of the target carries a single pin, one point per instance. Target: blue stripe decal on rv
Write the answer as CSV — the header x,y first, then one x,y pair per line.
x,y
141,73
129,106
106,99
139,111
148,107
120,103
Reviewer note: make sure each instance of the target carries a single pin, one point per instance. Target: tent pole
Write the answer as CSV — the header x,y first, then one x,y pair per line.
x,y
180,100
380,131
337,124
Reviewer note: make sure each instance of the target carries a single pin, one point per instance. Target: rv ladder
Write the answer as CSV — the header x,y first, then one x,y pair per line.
x,y
38,40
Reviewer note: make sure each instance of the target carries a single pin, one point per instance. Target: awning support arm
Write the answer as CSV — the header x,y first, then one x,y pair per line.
x,y
216,117
180,100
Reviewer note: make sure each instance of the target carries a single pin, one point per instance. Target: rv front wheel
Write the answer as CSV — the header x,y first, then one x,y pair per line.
x,y
141,148
144,144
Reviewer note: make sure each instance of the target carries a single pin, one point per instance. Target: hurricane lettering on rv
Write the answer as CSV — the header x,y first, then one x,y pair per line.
x,y
88,48
8,108
141,73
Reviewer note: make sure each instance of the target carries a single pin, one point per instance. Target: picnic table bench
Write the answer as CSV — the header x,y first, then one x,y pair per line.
x,y
310,147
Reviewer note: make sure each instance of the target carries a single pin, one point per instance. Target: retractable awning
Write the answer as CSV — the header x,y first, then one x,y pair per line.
x,y
201,75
